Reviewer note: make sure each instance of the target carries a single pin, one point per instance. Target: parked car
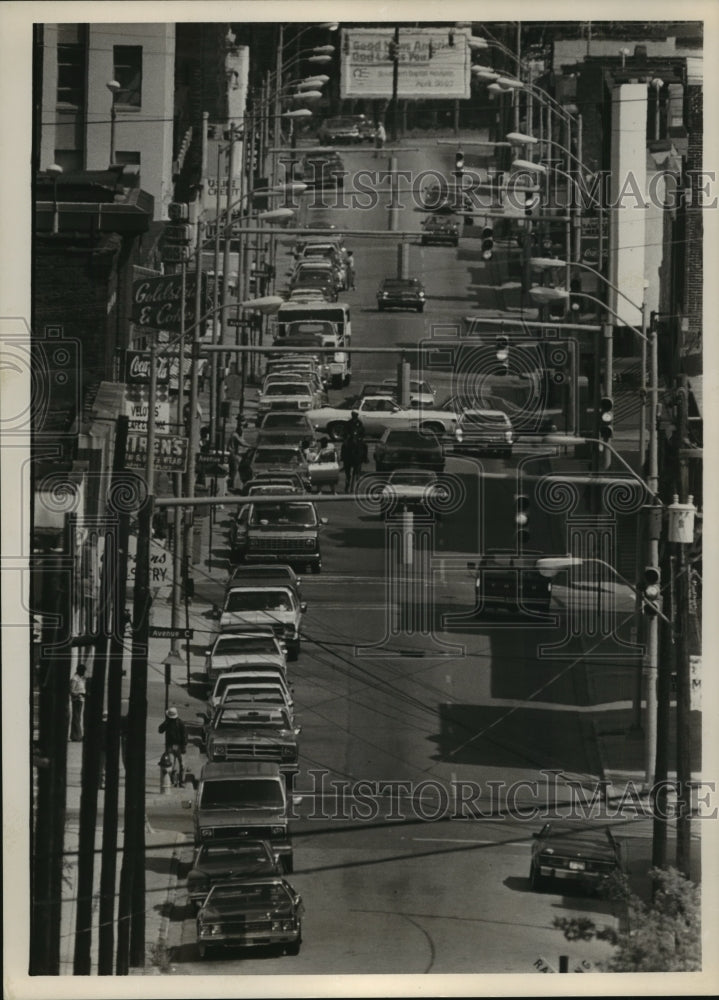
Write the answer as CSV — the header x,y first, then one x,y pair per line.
x,y
243,800
267,608
270,672
291,395
253,691
318,265
286,531
402,448
256,731
481,432
283,482
323,169
401,293
378,414
572,852
261,911
278,458
421,392
304,294
336,130
314,285
415,489
297,373
276,572
440,229
233,650
231,861
285,427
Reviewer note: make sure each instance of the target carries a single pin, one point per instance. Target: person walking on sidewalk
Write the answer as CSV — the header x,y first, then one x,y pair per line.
x,y
175,741
238,449
78,690
380,137
350,270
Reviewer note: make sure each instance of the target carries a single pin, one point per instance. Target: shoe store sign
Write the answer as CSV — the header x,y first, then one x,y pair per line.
x,y
170,452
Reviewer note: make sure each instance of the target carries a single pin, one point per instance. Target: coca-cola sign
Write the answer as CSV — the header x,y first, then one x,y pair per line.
x,y
137,369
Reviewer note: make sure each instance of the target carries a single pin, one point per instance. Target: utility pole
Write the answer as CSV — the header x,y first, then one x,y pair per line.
x,y
48,831
132,901
108,871
394,55
681,533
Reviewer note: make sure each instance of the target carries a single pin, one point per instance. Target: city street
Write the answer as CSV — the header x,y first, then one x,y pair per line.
x,y
399,682
361,433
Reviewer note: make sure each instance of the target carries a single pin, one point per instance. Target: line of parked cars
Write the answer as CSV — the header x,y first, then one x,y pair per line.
x,y
244,800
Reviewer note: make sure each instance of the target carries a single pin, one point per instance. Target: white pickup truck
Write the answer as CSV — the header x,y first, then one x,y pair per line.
x,y
377,413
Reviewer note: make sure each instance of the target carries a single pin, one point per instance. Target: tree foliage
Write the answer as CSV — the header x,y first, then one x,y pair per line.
x,y
662,935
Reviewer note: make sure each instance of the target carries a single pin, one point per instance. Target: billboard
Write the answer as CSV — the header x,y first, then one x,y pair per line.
x,y
433,63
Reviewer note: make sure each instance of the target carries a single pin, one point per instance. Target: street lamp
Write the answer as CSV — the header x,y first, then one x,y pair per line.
x,y
657,83
55,170
113,86
483,73
529,165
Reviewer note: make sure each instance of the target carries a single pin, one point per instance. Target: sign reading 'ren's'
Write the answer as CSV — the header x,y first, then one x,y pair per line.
x,y
170,452
157,302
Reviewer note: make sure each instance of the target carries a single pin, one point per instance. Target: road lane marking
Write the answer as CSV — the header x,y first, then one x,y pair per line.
x,y
458,840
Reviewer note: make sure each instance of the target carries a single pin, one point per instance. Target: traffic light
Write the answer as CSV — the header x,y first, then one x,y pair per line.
x,y
393,50
651,590
502,353
531,200
606,416
487,242
450,39
521,518
575,286
459,161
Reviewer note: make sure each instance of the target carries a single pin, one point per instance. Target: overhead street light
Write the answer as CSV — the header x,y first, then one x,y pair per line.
x,y
265,304
537,168
297,113
320,59
477,43
522,138
543,294
509,83
546,262
274,214
484,73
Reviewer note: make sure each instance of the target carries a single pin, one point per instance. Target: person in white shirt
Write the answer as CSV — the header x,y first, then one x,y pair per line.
x,y
78,690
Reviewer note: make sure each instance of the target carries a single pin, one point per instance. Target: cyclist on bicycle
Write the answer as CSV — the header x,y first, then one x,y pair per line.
x,y
175,741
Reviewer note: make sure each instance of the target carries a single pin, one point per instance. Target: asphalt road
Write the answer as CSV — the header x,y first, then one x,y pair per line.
x,y
401,687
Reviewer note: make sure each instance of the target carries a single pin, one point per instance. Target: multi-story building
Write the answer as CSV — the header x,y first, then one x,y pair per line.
x,y
81,118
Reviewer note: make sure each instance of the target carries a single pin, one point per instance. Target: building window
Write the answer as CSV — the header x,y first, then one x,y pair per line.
x,y
71,52
127,157
69,159
127,61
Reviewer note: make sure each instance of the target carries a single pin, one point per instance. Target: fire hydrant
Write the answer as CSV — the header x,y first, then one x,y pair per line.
x,y
165,763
